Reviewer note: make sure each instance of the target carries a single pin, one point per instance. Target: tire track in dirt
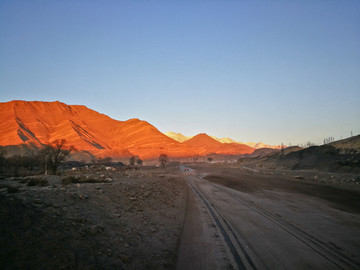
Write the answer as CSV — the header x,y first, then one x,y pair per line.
x,y
241,257
330,253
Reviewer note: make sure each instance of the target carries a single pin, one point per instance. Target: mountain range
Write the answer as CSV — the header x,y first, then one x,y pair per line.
x,y
38,122
206,145
182,138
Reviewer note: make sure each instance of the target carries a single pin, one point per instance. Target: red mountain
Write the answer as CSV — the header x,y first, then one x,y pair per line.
x,y
39,123
42,122
207,145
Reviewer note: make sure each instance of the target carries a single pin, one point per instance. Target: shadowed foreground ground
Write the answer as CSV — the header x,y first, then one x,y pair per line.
x,y
200,216
126,222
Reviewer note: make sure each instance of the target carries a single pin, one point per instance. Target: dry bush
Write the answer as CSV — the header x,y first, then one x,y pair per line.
x,y
23,180
67,180
38,182
12,189
82,179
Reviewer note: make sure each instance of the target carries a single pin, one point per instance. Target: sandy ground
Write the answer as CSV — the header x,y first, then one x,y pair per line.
x,y
278,222
208,217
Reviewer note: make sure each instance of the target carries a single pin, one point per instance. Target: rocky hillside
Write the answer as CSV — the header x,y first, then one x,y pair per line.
x,y
36,123
339,156
42,122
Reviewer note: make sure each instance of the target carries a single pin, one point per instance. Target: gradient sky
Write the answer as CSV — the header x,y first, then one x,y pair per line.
x,y
271,71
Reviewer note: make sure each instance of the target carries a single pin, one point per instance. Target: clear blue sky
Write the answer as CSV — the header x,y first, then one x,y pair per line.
x,y
271,71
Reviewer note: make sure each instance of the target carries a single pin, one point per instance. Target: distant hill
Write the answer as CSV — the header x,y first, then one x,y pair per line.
x,y
262,145
348,145
224,140
207,145
261,152
182,138
177,136
339,156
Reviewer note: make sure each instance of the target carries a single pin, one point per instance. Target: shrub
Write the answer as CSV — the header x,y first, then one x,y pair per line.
x,y
12,189
68,180
164,159
74,180
38,182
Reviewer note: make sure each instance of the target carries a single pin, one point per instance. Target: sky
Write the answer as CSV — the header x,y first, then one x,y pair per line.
x,y
271,71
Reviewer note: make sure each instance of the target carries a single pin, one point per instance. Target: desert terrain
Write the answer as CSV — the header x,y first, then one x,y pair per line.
x,y
107,220
184,216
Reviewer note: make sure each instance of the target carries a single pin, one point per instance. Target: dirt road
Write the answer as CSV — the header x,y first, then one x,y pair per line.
x,y
223,218
247,221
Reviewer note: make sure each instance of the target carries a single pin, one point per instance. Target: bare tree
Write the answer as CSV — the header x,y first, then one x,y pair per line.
x,y
164,159
56,152
328,140
139,162
132,160
309,144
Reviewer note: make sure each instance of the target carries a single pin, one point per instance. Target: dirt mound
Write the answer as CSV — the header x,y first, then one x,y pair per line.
x,y
324,158
349,145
